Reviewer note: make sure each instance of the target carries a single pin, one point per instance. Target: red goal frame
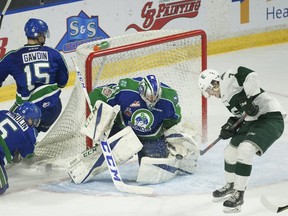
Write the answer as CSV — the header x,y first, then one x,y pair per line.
x,y
147,43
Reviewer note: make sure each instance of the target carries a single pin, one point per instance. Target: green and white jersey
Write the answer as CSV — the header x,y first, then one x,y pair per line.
x,y
244,83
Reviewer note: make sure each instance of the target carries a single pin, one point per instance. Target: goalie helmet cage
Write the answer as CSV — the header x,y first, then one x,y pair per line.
x,y
176,57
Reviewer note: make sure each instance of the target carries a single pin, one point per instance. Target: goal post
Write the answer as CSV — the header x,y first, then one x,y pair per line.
x,y
176,57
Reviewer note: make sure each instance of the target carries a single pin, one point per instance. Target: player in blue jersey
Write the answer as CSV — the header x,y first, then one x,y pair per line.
x,y
147,106
152,110
17,134
39,72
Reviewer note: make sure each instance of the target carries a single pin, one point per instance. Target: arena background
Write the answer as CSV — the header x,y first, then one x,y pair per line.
x,y
230,24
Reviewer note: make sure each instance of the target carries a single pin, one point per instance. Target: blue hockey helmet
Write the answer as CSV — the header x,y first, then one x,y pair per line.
x,y
30,112
35,28
150,90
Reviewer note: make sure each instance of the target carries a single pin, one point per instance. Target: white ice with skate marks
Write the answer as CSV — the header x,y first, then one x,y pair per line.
x,y
42,191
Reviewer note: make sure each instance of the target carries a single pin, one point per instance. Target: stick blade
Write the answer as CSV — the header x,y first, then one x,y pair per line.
x,y
133,189
1,18
268,204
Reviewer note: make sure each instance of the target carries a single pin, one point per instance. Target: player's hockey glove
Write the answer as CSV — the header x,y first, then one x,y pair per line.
x,y
249,107
226,131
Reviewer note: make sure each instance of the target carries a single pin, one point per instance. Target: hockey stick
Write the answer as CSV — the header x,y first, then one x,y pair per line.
x,y
4,11
272,207
82,82
240,120
107,152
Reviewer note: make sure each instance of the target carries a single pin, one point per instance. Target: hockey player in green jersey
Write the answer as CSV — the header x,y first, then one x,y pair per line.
x,y
241,93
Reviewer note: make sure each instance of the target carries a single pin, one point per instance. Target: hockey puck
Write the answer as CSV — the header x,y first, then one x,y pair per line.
x,y
179,157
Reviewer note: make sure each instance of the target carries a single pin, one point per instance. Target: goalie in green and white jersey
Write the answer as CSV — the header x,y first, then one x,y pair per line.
x,y
241,93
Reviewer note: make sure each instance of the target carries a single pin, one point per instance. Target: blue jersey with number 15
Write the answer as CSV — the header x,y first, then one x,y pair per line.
x,y
34,66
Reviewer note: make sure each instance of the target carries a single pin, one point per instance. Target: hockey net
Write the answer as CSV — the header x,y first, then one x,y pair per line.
x,y
176,57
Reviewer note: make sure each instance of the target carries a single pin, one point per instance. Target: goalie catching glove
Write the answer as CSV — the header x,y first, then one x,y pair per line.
x,y
181,141
182,158
184,146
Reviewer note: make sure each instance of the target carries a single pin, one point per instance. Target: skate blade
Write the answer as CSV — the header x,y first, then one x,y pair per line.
x,y
221,199
232,210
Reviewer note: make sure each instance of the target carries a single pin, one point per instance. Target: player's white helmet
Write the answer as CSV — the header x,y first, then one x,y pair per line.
x,y
206,81
150,90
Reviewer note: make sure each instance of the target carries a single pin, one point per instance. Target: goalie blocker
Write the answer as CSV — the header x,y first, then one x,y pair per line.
x,y
125,144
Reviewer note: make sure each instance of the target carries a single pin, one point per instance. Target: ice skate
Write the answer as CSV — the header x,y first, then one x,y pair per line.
x,y
234,203
222,193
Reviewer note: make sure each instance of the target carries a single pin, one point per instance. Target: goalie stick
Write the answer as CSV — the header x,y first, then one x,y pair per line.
x,y
82,83
107,152
240,120
272,207
4,11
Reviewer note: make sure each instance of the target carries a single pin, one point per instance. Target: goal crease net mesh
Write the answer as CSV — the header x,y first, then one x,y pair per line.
x,y
176,57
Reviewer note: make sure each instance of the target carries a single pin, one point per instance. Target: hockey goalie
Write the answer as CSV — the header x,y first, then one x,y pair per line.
x,y
138,116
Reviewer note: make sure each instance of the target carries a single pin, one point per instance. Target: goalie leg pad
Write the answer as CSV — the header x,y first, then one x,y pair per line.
x,y
81,168
157,170
86,165
188,164
160,170
128,144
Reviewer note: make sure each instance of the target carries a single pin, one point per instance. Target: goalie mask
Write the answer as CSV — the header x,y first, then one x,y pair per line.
x,y
34,28
30,112
208,80
150,90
